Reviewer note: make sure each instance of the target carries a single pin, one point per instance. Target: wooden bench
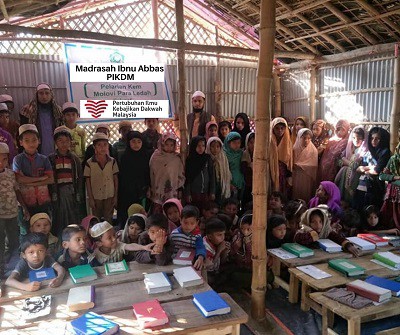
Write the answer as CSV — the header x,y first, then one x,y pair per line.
x,y
353,316
393,331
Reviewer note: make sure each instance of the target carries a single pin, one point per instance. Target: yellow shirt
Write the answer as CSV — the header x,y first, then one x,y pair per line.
x,y
78,142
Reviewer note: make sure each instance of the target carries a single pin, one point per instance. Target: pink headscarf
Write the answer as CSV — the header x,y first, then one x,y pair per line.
x,y
334,197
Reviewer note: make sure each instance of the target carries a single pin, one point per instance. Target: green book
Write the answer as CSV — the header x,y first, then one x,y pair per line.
x,y
388,258
298,250
116,268
346,267
82,273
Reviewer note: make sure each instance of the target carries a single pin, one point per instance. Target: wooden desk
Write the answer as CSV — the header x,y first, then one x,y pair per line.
x,y
308,283
184,319
353,316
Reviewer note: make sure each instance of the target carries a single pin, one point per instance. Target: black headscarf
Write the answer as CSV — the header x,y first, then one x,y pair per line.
x,y
274,221
243,133
195,162
384,143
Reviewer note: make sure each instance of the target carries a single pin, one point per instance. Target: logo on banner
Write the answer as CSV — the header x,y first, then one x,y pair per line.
x,y
96,107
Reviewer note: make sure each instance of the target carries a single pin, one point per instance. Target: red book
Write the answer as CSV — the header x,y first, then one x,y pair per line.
x,y
184,257
369,291
150,314
373,238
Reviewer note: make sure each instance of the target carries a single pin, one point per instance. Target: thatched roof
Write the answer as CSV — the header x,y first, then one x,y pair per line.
x,y
319,27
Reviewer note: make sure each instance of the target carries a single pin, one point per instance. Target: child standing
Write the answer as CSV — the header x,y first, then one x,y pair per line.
x,y
247,167
74,248
166,172
100,128
241,125
109,249
68,181
188,235
34,257
124,127
224,128
211,129
156,232
41,223
33,173
172,209
200,175
234,154
71,115
151,135
101,173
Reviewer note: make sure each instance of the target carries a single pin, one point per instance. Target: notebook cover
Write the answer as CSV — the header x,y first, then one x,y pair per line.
x,y
150,314
93,324
388,258
115,268
369,291
156,280
373,238
184,257
42,274
385,283
344,266
186,275
329,246
80,298
82,273
210,301
361,243
298,249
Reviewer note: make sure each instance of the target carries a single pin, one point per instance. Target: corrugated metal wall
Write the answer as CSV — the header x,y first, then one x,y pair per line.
x,y
21,74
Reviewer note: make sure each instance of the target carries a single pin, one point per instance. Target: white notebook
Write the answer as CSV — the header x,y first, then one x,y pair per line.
x,y
361,244
187,277
157,282
314,272
282,253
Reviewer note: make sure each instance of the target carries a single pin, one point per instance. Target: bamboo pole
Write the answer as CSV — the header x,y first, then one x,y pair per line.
x,y
154,12
395,114
277,94
180,28
217,84
313,87
260,172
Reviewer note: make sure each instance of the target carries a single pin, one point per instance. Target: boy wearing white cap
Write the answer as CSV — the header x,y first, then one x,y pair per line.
x,y
100,128
109,249
198,119
71,115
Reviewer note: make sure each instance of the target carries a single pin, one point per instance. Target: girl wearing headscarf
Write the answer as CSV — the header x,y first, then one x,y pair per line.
x,y
224,128
211,129
327,194
328,165
370,189
234,155
347,177
247,167
316,225
299,123
305,165
391,205
320,136
200,174
166,172
134,226
281,157
223,175
241,125
134,175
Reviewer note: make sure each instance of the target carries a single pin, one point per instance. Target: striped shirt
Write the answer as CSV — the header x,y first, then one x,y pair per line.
x,y
63,169
193,240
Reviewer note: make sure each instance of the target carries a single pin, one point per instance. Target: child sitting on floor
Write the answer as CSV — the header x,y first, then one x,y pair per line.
x,y
241,243
109,249
41,223
134,226
210,210
75,252
294,209
276,231
188,236
373,225
276,203
230,207
317,225
88,222
156,232
172,209
34,257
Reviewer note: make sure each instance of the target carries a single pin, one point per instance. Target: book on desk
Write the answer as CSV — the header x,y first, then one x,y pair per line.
x,y
329,246
42,274
210,303
375,239
184,257
150,314
388,284
157,282
369,291
82,273
298,249
80,298
116,268
92,324
361,243
187,277
346,267
388,258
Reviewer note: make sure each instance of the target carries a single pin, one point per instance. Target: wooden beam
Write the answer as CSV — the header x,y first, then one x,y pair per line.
x,y
315,28
287,31
277,94
4,10
313,91
260,162
395,114
154,12
180,29
145,42
302,9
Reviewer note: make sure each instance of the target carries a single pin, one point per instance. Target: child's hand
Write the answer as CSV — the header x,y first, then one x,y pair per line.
x,y
32,286
148,247
115,202
221,247
394,231
56,282
188,199
198,265
353,250
161,238
92,203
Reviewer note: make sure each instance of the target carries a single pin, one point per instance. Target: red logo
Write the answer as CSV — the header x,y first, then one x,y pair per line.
x,y
96,107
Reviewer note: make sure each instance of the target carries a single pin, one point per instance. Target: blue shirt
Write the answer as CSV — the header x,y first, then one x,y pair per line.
x,y
45,116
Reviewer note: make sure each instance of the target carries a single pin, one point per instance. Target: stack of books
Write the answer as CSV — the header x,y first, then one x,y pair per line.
x,y
82,273
373,238
210,303
329,246
157,282
80,298
361,243
388,284
187,277
150,314
346,267
393,240
93,324
388,258
184,257
116,268
369,291
298,250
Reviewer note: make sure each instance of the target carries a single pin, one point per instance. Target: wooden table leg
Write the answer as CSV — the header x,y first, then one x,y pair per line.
x,y
305,290
236,329
331,318
324,320
276,266
293,289
354,326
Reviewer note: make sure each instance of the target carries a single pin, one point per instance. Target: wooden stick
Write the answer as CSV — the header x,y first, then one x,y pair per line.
x,y
217,83
395,114
277,94
313,87
260,166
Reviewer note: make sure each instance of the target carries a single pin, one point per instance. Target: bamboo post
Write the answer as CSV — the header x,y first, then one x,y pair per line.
x,y
313,88
395,114
260,162
180,28
217,85
154,12
277,94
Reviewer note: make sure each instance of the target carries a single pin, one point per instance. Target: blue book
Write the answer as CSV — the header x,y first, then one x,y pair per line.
x,y
92,324
388,284
210,303
42,274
